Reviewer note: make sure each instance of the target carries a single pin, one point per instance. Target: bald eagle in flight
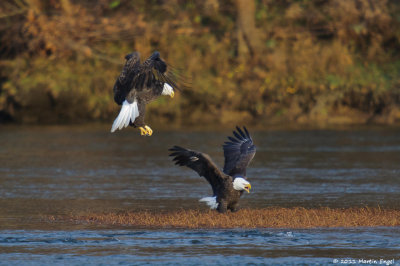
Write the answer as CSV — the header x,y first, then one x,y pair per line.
x,y
227,185
139,84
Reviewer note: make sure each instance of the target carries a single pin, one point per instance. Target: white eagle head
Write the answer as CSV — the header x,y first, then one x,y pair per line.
x,y
168,90
239,183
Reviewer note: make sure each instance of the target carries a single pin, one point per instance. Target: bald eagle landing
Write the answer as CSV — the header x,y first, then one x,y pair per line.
x,y
137,85
227,185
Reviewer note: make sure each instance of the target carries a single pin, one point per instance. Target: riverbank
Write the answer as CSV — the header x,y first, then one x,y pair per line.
x,y
247,218
317,69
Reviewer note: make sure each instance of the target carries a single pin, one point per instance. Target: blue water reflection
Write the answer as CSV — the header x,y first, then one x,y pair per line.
x,y
65,170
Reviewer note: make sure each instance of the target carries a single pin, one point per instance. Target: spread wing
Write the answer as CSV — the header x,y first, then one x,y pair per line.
x,y
201,163
153,74
238,152
123,84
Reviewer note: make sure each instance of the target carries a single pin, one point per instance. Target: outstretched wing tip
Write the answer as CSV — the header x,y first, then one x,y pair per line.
x,y
175,151
238,151
247,132
199,162
135,54
243,135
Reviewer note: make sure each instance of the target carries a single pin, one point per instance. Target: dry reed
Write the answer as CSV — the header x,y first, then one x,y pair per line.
x,y
247,218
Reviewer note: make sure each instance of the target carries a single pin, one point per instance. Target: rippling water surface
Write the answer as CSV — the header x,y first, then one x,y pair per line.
x,y
72,170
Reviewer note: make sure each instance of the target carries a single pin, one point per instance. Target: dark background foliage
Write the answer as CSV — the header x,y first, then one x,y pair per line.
x,y
259,62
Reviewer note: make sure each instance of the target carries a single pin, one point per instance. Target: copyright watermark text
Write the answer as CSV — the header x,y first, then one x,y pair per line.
x,y
364,261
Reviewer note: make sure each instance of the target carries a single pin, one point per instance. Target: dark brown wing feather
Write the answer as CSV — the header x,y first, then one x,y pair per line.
x,y
123,84
153,74
238,152
201,163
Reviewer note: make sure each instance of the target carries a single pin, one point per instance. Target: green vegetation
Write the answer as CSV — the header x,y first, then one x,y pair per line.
x,y
261,62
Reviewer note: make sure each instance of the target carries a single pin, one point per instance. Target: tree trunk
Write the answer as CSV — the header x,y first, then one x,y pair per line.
x,y
66,6
249,37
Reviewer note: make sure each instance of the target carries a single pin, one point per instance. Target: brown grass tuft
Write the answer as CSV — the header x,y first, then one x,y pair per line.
x,y
247,218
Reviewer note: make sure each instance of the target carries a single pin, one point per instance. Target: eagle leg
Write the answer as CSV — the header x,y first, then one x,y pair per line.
x,y
143,131
149,130
146,131
234,207
222,206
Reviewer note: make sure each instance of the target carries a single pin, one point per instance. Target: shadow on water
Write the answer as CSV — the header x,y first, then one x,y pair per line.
x,y
71,170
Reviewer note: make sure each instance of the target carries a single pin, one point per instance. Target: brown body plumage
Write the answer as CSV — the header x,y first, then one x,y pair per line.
x,y
227,186
139,84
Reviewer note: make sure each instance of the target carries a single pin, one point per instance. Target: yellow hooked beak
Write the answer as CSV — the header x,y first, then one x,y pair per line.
x,y
172,94
247,188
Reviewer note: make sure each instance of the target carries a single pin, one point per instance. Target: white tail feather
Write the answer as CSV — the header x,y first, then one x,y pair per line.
x,y
210,201
128,113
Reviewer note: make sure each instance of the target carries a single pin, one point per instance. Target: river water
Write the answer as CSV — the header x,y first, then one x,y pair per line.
x,y
61,170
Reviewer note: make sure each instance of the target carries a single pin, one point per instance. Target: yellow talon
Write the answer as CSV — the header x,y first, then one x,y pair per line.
x,y
143,131
149,130
172,94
